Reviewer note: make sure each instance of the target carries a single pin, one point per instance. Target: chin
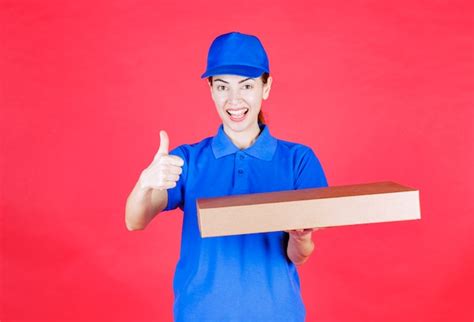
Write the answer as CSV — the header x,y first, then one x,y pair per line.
x,y
240,127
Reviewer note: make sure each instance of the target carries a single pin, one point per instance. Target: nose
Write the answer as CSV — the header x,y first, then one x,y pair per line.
x,y
234,96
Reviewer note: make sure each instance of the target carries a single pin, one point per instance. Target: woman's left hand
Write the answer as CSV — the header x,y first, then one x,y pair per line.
x,y
301,234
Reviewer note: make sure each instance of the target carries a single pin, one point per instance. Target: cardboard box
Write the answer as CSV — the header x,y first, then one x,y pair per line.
x,y
307,208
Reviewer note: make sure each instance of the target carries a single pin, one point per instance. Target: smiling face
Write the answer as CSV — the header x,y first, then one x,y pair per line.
x,y
238,101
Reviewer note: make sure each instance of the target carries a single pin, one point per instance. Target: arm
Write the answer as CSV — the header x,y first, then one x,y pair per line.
x,y
300,245
309,174
143,204
150,195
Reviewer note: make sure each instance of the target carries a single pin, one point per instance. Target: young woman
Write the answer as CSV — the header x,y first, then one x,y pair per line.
x,y
249,277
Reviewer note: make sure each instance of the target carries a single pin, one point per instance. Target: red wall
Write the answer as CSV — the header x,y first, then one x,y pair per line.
x,y
381,90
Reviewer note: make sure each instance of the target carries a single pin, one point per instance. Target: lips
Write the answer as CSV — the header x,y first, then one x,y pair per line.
x,y
237,115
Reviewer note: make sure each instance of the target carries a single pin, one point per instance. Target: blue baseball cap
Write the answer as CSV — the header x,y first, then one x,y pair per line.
x,y
236,54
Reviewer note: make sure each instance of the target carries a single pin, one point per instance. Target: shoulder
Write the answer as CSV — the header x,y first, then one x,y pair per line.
x,y
307,168
301,156
293,148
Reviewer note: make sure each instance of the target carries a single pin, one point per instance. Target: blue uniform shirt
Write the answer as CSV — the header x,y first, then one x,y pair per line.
x,y
243,277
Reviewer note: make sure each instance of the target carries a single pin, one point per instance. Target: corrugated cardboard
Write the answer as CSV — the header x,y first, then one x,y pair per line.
x,y
307,208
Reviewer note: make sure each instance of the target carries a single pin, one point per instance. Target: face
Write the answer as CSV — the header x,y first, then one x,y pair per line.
x,y
238,100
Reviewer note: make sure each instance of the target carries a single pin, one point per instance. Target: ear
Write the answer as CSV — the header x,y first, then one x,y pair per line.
x,y
267,87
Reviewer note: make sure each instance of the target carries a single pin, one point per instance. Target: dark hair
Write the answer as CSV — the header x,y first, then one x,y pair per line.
x,y
261,118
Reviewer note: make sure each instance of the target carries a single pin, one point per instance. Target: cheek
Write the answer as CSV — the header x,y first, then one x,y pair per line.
x,y
254,99
219,100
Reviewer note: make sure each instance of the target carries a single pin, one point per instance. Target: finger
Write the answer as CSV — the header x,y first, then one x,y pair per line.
x,y
169,184
172,177
172,160
161,186
165,169
164,143
175,160
175,170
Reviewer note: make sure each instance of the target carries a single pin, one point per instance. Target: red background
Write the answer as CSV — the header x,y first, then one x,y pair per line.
x,y
380,91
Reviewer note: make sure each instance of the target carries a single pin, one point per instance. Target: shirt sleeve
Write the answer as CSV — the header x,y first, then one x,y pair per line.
x,y
176,195
309,172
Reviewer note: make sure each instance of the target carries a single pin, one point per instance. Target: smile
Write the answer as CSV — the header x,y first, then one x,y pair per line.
x,y
237,114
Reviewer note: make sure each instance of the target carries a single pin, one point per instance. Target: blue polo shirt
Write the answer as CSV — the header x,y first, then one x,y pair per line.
x,y
243,277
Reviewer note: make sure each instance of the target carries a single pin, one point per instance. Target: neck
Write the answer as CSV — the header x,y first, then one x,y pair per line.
x,y
243,140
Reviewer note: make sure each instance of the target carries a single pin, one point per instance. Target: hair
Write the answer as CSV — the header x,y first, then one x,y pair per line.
x,y
264,77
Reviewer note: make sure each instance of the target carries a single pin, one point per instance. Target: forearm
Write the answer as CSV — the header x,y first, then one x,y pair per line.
x,y
142,206
299,249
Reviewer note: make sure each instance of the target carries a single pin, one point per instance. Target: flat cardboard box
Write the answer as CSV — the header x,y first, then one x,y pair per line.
x,y
307,208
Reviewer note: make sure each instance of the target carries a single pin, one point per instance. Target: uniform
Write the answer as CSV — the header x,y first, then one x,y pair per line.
x,y
243,277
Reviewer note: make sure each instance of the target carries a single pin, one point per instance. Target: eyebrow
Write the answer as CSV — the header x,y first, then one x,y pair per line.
x,y
243,80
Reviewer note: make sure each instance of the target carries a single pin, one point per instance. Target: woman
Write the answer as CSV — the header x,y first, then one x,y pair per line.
x,y
249,277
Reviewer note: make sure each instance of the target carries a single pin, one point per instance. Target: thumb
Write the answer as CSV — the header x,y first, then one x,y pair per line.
x,y
164,143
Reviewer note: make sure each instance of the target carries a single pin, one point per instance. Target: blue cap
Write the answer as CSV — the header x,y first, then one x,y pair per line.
x,y
236,54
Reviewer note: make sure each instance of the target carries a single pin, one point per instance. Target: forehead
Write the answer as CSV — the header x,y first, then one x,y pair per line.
x,y
232,79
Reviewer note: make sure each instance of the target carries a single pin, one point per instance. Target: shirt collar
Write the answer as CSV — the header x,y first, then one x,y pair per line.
x,y
263,148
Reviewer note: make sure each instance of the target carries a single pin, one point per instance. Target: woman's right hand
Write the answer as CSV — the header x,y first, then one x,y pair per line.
x,y
164,171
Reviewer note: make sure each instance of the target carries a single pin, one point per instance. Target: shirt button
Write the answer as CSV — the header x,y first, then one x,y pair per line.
x,y
240,171
241,157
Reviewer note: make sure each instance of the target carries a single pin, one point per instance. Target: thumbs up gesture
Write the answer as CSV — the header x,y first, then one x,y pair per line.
x,y
164,171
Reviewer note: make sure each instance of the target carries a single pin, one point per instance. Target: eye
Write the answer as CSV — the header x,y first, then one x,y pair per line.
x,y
220,87
248,86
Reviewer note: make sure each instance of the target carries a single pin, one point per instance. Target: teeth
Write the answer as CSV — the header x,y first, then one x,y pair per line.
x,y
237,113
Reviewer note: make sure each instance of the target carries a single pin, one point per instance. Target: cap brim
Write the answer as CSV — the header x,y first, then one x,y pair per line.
x,y
240,70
